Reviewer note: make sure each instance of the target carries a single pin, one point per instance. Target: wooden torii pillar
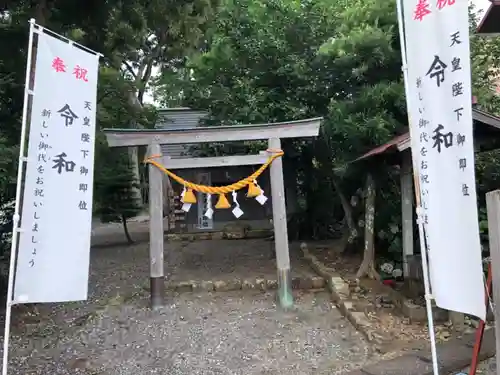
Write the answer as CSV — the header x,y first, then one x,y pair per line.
x,y
153,138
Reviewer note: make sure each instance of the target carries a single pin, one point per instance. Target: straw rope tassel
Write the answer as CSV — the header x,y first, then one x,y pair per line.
x,y
189,197
253,190
222,203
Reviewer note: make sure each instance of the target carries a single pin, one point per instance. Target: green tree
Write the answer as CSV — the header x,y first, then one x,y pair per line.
x,y
9,156
261,64
114,185
369,109
485,66
134,36
273,60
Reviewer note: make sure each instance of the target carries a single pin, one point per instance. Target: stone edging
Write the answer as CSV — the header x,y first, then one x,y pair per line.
x,y
259,283
340,292
217,235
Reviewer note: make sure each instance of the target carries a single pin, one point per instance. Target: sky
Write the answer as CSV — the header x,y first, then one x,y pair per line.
x,y
148,95
481,6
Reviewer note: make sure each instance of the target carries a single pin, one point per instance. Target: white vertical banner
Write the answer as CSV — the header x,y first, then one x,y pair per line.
x,y
54,243
439,81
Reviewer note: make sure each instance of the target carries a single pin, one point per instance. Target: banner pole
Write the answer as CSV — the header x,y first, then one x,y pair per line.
x,y
420,222
427,288
15,225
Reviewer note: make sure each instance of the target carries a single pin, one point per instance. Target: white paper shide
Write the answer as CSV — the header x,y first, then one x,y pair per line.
x,y
54,242
437,40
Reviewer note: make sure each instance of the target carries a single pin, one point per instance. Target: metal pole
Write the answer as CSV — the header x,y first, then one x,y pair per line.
x,y
427,286
421,229
15,224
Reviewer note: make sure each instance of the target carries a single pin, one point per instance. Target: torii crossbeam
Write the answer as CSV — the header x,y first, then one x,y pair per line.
x,y
155,137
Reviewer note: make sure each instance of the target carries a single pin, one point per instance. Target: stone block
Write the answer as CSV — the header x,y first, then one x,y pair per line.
x,y
414,312
234,284
324,272
174,237
488,349
348,305
456,354
452,356
440,315
340,286
458,320
272,284
207,286
261,283
295,282
318,282
417,313
360,320
220,286
184,286
195,285
248,285
396,297
235,231
259,233
217,236
404,365
305,283
316,264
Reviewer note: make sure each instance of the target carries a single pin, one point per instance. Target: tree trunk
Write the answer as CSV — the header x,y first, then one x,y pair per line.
x,y
135,98
367,267
133,154
125,229
351,233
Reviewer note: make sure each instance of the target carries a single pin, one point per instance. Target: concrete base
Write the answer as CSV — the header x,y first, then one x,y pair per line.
x,y
157,285
285,296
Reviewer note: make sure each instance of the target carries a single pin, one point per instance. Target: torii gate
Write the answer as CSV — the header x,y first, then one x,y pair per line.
x,y
153,138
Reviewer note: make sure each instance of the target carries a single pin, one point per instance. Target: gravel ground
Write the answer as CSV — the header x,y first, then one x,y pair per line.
x,y
232,333
218,333
229,259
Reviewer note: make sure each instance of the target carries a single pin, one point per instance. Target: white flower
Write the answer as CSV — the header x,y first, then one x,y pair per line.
x,y
397,272
387,267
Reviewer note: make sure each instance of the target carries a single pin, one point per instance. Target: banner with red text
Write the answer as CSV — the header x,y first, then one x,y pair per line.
x,y
54,242
439,81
